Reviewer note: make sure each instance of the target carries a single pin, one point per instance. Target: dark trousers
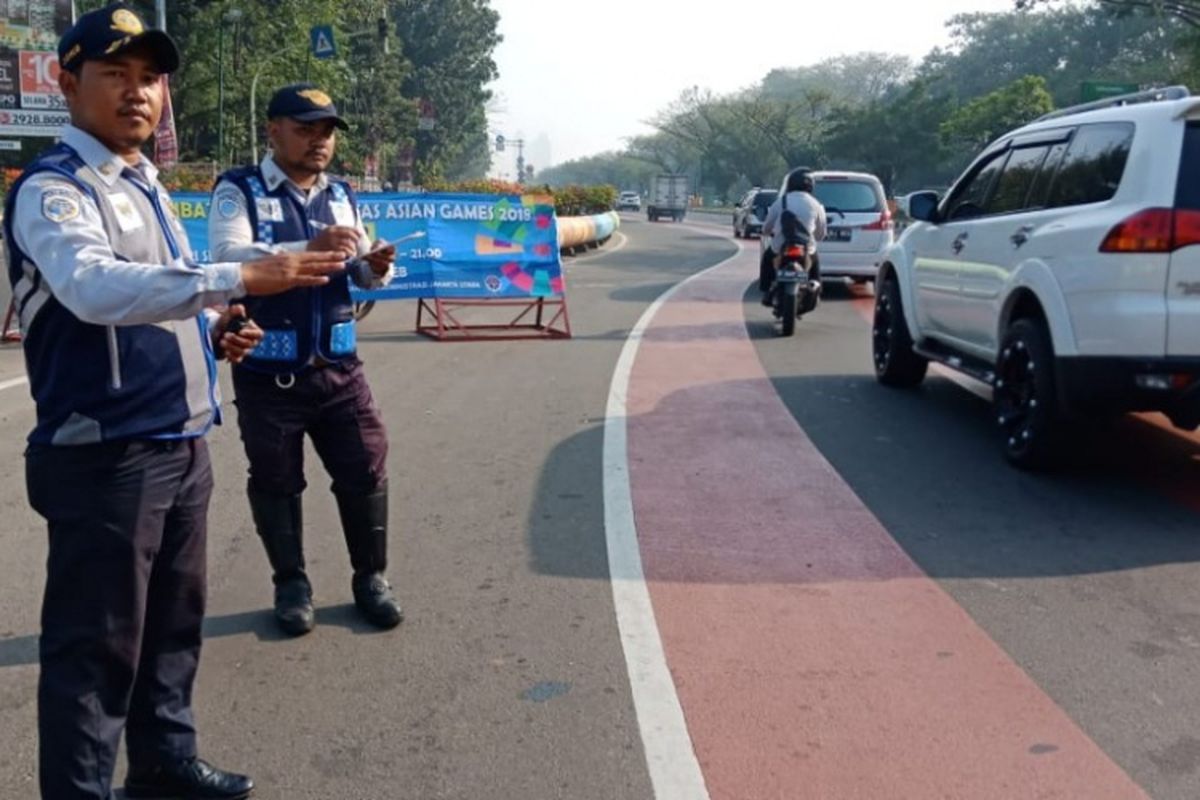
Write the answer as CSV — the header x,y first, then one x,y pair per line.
x,y
123,608
334,406
766,269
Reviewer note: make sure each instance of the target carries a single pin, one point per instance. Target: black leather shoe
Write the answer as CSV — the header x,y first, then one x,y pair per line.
x,y
187,780
374,599
293,606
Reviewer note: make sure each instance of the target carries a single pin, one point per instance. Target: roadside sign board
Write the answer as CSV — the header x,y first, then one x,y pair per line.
x,y
30,102
1098,90
322,41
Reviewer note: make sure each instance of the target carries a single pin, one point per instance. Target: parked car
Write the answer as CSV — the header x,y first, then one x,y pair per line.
x,y
629,201
750,211
1063,269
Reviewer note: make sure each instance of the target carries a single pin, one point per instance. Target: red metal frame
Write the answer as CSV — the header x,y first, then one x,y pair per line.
x,y
446,325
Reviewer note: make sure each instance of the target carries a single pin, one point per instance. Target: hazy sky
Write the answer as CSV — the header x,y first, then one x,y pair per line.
x,y
586,78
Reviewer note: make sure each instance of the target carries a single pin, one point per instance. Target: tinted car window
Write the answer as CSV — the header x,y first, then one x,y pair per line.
x,y
762,202
1012,187
848,196
1040,190
1187,194
970,198
1092,168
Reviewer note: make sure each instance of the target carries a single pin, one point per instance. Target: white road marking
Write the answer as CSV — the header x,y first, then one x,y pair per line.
x,y
674,770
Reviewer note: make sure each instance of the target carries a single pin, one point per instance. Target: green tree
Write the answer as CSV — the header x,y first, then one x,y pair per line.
x,y
852,80
1066,46
985,118
449,44
1187,11
897,139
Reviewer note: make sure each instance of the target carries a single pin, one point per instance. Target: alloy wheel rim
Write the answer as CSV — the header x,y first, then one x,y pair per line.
x,y
882,332
1016,395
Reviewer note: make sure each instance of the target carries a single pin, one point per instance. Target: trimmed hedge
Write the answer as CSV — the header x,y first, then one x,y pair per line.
x,y
569,201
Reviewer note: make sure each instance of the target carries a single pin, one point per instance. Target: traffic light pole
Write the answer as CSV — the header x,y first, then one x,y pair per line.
x,y
502,141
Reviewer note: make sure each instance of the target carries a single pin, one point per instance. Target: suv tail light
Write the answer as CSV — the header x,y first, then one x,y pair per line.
x,y
1155,230
884,223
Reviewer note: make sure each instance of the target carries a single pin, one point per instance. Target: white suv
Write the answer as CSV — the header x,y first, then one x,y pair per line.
x,y
1062,268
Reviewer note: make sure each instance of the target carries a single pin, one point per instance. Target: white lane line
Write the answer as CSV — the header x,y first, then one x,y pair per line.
x,y
21,381
674,770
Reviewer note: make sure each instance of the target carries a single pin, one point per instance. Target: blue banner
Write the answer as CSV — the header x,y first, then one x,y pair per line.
x,y
471,246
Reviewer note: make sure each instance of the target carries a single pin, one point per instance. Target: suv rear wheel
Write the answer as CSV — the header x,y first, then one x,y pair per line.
x,y
1024,396
895,362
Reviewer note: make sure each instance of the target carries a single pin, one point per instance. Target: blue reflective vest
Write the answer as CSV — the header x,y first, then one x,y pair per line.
x,y
300,323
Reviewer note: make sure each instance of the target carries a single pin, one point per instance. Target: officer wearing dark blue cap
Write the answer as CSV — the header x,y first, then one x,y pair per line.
x,y
306,378
120,343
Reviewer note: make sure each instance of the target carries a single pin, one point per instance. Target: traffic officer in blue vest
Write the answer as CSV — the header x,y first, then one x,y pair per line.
x,y
306,376
120,350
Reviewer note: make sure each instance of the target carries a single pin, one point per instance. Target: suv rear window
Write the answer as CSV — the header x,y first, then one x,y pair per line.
x,y
1187,193
1092,168
848,196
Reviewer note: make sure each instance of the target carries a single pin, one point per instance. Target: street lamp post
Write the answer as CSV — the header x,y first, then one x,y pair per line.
x,y
232,15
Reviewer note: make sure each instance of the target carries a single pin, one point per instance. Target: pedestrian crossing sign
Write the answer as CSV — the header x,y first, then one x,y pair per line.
x,y
322,41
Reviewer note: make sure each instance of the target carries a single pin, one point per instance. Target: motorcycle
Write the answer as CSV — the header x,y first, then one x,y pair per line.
x,y
795,291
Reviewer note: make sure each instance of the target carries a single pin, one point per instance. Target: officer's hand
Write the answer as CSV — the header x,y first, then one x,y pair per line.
x,y
339,238
381,258
237,339
278,273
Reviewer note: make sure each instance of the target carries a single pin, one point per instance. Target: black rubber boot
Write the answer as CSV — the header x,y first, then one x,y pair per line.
x,y
280,525
364,521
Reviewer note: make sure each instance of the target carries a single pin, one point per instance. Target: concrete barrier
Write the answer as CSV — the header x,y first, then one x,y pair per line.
x,y
576,233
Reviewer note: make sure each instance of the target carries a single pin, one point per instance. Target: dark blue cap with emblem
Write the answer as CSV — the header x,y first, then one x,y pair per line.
x,y
306,103
110,31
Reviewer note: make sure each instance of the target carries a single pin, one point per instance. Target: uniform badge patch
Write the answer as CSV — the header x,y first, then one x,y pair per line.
x,y
228,206
269,209
60,205
343,214
127,215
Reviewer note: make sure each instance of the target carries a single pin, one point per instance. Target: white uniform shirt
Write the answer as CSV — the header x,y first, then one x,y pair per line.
x,y
60,229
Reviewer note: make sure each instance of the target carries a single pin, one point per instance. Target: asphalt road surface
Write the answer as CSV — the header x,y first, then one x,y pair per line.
x,y
680,557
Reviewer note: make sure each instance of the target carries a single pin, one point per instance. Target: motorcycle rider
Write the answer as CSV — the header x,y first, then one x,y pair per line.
x,y
796,195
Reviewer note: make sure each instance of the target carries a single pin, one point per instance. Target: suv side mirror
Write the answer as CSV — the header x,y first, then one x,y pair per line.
x,y
922,206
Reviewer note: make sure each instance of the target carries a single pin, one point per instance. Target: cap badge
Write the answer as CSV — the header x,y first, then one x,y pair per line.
x,y
316,97
127,22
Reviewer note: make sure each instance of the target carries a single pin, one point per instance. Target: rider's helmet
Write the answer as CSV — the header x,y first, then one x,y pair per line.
x,y
799,180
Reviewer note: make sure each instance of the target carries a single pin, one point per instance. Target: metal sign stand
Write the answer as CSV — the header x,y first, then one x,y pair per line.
x,y
537,318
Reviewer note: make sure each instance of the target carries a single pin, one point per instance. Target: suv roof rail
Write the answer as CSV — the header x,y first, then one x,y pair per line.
x,y
1148,96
